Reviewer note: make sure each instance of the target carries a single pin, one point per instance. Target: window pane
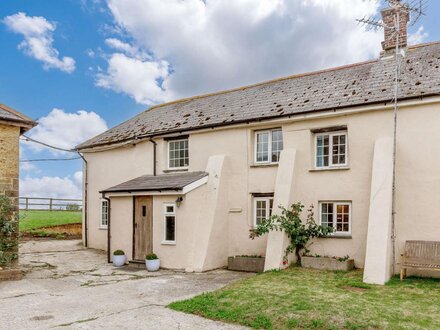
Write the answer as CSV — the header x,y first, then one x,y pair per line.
x,y
260,211
262,147
322,150
277,145
343,217
104,213
170,223
339,148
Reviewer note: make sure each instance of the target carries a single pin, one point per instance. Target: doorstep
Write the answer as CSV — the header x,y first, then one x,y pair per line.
x,y
138,264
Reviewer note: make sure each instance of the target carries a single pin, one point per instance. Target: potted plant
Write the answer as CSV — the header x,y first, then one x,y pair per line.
x,y
119,258
152,262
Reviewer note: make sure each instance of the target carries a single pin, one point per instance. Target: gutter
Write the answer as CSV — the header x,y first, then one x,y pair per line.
x,y
108,227
154,155
85,208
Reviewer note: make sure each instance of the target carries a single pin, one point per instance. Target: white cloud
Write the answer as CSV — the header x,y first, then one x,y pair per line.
x,y
51,187
38,40
144,81
66,130
417,37
127,49
214,44
29,167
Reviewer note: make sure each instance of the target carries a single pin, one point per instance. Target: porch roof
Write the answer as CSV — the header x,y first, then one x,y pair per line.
x,y
162,182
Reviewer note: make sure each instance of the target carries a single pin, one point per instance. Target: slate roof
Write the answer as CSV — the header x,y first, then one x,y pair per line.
x,y
353,85
11,115
170,181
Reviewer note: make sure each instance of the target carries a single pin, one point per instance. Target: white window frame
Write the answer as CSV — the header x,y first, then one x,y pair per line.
x,y
335,205
269,147
101,214
165,215
330,146
268,210
168,155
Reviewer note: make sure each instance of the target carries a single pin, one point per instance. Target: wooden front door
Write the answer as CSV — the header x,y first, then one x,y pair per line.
x,y
143,226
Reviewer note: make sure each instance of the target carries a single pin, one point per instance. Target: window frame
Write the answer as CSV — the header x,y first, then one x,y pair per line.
x,y
165,215
101,202
269,210
269,146
330,146
168,154
335,214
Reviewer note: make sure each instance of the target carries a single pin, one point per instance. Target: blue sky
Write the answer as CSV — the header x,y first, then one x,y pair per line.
x,y
123,56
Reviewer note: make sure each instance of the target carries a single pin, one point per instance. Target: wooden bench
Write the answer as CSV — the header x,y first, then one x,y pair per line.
x,y
420,255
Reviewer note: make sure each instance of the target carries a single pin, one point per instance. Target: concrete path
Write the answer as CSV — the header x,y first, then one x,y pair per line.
x,y
71,287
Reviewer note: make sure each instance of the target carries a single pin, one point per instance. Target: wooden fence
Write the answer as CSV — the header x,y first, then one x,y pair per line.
x,y
50,204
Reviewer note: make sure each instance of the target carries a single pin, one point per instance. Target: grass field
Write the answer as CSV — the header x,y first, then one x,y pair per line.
x,y
308,299
30,220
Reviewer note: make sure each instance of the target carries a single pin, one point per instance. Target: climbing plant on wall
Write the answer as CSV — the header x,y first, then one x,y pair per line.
x,y
299,232
8,231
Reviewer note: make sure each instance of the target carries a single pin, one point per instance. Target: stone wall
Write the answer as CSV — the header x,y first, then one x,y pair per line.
x,y
9,154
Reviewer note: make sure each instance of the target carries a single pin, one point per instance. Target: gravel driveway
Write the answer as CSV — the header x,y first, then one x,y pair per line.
x,y
71,287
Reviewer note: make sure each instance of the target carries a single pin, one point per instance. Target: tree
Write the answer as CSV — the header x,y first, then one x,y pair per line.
x,y
299,232
8,231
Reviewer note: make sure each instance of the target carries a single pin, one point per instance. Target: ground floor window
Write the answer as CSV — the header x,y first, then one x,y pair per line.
x,y
169,223
336,215
262,209
103,223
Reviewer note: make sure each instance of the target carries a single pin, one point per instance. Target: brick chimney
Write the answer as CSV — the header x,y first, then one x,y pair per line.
x,y
389,17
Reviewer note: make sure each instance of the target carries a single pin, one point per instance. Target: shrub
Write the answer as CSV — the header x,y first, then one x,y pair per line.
x,y
119,253
72,207
8,231
151,256
298,232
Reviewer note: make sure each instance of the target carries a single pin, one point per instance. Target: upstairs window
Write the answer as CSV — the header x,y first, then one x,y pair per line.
x,y
331,149
178,156
336,215
103,221
268,146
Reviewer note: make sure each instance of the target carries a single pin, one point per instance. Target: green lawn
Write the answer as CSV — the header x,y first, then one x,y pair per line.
x,y
36,219
299,298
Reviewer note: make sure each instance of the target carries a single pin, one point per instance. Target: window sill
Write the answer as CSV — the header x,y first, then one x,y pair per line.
x,y
168,243
264,165
343,236
336,168
102,228
176,170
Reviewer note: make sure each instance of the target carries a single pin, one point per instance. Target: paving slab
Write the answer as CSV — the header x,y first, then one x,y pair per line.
x,y
68,286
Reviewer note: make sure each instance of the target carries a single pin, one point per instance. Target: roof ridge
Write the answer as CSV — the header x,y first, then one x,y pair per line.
x,y
226,91
431,43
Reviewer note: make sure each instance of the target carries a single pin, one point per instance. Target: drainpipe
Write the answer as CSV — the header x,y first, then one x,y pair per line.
x,y
154,155
108,227
85,177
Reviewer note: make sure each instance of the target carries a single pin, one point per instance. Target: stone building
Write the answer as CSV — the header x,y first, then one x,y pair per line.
x,y
12,125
